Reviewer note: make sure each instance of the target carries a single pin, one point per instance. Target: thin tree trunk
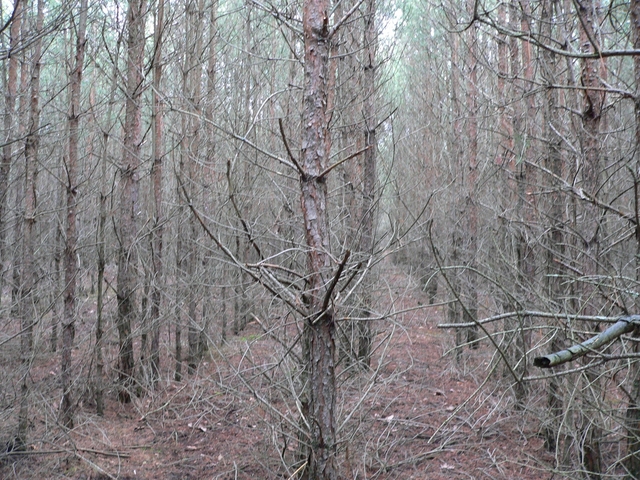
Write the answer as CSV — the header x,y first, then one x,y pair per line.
x,y
101,242
102,220
515,155
70,257
509,122
28,312
213,272
319,327
365,339
9,129
179,279
632,420
454,309
156,186
190,150
127,256
470,313
56,314
20,168
593,101
555,211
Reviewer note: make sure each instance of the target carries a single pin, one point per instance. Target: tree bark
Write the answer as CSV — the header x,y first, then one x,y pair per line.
x,y
593,101
28,313
365,339
319,402
101,239
470,312
10,96
632,420
157,235
454,308
70,257
555,211
127,256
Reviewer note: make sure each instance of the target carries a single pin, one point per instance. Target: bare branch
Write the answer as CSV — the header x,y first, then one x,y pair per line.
x,y
528,37
586,196
334,282
328,169
245,227
286,145
622,326
291,299
346,17
529,313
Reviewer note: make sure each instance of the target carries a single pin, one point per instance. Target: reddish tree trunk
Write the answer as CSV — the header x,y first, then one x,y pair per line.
x,y
320,400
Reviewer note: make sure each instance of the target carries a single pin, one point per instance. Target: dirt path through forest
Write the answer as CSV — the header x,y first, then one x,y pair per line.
x,y
423,418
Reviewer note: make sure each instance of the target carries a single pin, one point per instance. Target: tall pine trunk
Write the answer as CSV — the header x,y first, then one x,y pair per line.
x,y
70,257
9,134
27,300
157,235
129,208
593,102
365,339
555,237
470,309
319,402
632,420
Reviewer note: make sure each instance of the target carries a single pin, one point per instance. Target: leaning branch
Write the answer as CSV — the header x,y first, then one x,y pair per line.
x,y
328,169
527,36
586,196
622,326
344,18
245,227
11,18
334,282
529,313
289,152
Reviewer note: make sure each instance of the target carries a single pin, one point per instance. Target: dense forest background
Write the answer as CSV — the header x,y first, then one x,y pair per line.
x,y
243,191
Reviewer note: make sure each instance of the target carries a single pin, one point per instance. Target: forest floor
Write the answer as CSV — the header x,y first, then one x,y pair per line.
x,y
424,416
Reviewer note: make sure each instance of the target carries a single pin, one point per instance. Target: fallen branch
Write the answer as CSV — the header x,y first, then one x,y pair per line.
x,y
622,326
529,313
105,453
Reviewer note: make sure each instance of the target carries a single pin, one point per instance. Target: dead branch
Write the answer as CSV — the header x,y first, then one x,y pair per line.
x,y
622,326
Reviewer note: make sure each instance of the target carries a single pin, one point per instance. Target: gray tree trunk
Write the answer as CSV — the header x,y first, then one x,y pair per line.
x,y
129,208
70,257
